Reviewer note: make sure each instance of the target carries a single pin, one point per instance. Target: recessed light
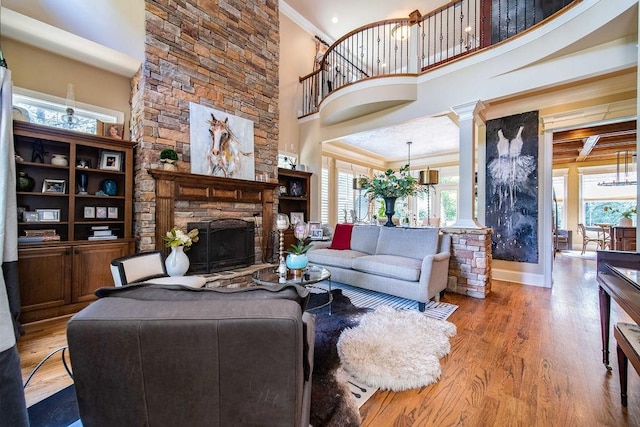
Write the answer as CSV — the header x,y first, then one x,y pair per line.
x,y
334,19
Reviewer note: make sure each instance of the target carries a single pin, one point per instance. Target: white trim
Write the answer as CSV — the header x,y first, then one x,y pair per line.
x,y
292,14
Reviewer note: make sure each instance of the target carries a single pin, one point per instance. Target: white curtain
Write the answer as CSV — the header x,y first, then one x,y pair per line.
x,y
12,402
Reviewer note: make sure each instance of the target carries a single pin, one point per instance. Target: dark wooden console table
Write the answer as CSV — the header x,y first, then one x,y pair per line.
x,y
618,277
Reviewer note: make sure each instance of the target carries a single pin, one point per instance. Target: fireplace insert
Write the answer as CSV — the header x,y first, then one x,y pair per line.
x,y
224,244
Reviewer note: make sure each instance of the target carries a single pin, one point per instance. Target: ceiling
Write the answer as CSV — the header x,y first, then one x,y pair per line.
x,y
110,34
594,144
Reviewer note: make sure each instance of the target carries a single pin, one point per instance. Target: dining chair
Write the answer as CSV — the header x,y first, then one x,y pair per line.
x,y
586,239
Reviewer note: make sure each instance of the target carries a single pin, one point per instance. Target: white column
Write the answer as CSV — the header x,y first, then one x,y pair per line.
x,y
466,114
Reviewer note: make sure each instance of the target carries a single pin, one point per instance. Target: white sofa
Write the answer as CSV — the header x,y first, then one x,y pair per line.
x,y
410,263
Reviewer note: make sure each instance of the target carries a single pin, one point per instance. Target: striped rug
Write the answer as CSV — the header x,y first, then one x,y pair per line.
x,y
372,299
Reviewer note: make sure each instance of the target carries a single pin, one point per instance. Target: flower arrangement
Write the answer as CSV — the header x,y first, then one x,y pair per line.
x,y
176,237
625,214
391,184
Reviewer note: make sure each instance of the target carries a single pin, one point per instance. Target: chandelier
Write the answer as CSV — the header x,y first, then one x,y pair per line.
x,y
628,167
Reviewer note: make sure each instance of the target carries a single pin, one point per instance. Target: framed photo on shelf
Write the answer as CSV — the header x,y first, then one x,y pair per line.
x,y
83,163
295,188
296,217
112,130
89,212
315,230
112,212
48,215
101,212
30,216
111,160
54,186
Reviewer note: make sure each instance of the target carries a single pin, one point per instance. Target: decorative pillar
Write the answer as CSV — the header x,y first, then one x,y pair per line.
x,y
466,195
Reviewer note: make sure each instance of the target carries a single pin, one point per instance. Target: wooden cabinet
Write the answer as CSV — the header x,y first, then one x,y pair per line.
x,y
294,196
623,239
59,265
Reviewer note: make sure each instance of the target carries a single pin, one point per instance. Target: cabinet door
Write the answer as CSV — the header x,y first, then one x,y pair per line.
x,y
92,267
45,277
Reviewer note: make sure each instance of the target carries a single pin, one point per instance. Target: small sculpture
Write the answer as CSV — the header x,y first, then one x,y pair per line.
x,y
37,155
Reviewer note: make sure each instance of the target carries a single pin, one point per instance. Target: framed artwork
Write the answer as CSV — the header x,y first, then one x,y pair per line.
x,y
101,212
221,143
296,217
54,185
295,188
30,216
512,187
89,212
112,212
52,215
315,230
111,160
112,130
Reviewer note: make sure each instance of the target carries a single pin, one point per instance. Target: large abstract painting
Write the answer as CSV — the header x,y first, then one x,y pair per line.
x,y
512,187
221,143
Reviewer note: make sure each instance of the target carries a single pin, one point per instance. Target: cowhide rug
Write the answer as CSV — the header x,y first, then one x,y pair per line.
x,y
331,401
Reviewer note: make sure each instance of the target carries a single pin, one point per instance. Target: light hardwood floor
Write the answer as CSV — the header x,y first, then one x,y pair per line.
x,y
523,356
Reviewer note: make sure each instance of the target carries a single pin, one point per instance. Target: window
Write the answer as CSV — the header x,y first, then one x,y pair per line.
x,y
558,209
448,207
49,110
596,197
345,196
324,194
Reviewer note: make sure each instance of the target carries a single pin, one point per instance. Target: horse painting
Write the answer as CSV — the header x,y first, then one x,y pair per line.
x,y
224,156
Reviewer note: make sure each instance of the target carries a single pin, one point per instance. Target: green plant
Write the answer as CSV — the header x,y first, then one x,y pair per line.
x,y
176,237
391,184
625,214
168,154
300,248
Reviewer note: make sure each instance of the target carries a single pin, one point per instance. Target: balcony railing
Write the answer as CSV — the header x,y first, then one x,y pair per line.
x,y
415,45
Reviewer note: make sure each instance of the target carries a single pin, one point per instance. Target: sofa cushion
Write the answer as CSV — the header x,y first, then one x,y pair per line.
x,y
342,237
331,257
166,292
408,242
364,238
397,267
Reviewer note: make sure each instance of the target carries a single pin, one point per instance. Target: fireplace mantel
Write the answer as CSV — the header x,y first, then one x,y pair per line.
x,y
173,186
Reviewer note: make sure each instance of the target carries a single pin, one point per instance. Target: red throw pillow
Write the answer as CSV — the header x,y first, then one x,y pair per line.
x,y
342,237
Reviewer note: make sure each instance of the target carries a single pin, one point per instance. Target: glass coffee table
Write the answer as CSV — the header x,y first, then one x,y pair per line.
x,y
311,275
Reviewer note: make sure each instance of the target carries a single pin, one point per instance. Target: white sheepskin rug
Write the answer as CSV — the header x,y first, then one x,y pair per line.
x,y
395,349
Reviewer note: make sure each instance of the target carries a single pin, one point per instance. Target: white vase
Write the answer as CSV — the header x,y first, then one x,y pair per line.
x,y
177,263
625,222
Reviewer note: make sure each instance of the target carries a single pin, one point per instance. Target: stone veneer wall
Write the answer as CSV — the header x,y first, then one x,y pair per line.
x,y
470,263
223,55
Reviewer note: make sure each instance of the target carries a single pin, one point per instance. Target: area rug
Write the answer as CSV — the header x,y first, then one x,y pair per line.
x,y
395,349
332,401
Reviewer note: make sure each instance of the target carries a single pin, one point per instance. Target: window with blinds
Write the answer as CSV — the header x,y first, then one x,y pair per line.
x,y
344,204
324,195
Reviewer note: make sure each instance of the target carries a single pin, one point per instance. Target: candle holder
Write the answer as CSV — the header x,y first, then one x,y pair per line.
x,y
282,224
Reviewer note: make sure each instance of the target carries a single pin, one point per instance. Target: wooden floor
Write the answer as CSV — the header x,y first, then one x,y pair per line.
x,y
523,356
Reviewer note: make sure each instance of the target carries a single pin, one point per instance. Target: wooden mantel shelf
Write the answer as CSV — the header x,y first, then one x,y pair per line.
x,y
172,186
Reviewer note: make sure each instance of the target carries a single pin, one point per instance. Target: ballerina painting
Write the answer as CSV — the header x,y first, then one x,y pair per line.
x,y
512,187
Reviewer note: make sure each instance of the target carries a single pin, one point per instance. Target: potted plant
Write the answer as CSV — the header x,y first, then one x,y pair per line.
x,y
389,186
169,158
297,254
625,216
